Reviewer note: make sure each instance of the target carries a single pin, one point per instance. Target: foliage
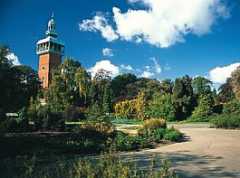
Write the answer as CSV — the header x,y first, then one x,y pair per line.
x,y
46,119
225,92
103,127
104,166
201,86
18,83
227,121
120,82
183,98
161,106
134,108
15,124
152,124
204,108
235,82
125,142
173,135
231,107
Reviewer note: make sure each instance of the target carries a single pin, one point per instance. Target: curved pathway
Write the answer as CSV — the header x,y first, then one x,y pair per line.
x,y
207,152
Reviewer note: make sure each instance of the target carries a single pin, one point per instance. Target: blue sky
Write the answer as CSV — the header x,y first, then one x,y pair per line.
x,y
206,48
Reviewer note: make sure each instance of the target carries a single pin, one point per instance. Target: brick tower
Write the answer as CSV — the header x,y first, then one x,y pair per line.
x,y
50,51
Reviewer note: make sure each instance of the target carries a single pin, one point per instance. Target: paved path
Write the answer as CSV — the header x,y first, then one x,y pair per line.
x,y
207,152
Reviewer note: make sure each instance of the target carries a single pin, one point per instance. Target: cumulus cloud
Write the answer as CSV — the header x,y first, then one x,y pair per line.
x,y
13,58
153,70
107,52
161,22
104,65
99,23
147,74
219,75
126,68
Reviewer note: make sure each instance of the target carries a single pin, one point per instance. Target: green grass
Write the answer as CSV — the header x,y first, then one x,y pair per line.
x,y
127,121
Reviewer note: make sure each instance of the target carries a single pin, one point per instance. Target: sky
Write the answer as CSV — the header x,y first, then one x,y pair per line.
x,y
151,38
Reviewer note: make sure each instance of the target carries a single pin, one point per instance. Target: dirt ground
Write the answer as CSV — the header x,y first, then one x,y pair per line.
x,y
207,152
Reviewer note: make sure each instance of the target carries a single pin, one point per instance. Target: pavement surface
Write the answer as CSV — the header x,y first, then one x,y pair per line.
x,y
205,153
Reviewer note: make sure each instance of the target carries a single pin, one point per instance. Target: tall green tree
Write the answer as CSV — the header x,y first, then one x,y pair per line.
x,y
161,106
83,82
204,108
183,97
120,82
201,86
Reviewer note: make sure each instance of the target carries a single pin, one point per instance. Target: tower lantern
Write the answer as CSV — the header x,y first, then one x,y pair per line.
x,y
50,51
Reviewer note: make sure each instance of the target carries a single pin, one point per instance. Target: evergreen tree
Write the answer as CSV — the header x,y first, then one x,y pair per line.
x,y
183,97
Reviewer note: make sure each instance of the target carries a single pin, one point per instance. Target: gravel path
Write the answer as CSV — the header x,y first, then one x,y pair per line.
x,y
206,153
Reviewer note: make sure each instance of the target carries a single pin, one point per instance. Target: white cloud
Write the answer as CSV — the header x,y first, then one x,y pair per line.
x,y
157,66
151,71
99,23
165,23
107,52
161,22
126,67
147,74
13,58
104,65
219,75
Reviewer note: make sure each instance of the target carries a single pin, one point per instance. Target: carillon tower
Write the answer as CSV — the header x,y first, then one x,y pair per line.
x,y
50,51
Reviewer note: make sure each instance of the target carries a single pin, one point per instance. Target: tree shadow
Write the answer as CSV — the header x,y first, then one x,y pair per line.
x,y
184,164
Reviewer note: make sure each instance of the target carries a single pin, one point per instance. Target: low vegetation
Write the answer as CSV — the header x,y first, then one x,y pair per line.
x,y
107,166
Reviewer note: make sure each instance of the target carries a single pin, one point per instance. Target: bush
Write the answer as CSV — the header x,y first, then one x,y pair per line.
x,y
18,124
73,114
102,127
124,142
227,121
152,124
173,135
45,120
231,107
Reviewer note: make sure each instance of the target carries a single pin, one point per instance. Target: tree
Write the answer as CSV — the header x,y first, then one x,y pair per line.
x,y
18,83
83,79
166,86
107,99
235,82
161,106
183,97
120,82
204,109
201,86
225,92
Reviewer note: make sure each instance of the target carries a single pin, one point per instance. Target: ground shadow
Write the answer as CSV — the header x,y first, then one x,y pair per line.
x,y
184,164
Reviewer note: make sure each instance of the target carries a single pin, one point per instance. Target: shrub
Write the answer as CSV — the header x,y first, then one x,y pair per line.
x,y
227,121
102,127
125,142
45,119
173,135
73,113
152,124
18,124
231,107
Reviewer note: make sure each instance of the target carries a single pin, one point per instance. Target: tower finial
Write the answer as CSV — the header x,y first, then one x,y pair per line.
x,y
52,16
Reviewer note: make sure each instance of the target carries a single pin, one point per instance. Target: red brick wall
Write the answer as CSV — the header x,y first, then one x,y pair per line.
x,y
47,62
